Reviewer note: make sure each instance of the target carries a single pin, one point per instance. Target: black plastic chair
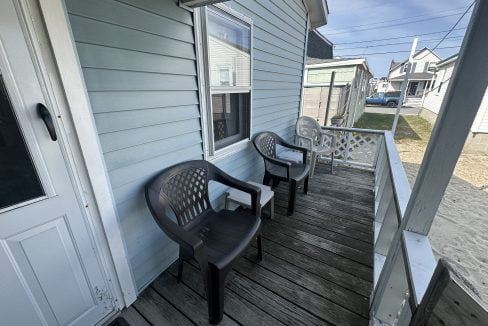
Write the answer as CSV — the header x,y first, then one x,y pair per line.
x,y
277,169
214,239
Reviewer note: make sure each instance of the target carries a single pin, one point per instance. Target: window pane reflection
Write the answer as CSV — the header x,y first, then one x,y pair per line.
x,y
230,113
229,52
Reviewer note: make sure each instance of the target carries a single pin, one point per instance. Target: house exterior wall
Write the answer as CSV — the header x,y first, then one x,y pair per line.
x,y
478,139
434,98
419,64
139,64
321,76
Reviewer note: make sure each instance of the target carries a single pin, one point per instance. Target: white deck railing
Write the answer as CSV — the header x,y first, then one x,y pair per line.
x,y
403,260
357,147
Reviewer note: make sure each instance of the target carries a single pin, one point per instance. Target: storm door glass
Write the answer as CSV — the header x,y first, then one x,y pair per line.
x,y
19,181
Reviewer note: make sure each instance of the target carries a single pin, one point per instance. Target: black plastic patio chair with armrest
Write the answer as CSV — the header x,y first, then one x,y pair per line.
x,y
277,170
214,239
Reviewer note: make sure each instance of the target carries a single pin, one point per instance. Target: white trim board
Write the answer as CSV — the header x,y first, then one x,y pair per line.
x,y
70,79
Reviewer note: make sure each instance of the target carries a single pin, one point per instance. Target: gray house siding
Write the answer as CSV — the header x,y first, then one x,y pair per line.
x,y
138,60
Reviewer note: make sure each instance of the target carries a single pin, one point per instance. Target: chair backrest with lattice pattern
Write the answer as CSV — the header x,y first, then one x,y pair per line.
x,y
308,127
265,143
184,188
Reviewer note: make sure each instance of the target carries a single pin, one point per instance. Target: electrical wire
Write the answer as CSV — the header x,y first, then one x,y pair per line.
x,y
454,38
393,25
404,18
388,52
451,29
400,37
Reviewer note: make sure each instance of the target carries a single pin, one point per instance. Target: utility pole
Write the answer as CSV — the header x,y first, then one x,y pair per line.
x,y
404,85
329,96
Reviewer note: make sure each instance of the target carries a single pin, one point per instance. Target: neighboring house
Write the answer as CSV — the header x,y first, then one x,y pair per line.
x,y
132,87
378,85
318,46
351,85
419,76
477,141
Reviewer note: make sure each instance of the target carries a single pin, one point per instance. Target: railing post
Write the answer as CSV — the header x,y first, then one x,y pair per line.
x,y
456,116
346,150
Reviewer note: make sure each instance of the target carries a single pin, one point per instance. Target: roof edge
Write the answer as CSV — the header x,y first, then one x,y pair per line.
x,y
318,12
447,60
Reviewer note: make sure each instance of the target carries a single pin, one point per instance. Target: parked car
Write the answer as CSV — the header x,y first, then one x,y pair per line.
x,y
390,99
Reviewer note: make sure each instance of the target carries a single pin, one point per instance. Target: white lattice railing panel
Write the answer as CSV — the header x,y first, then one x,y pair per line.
x,y
357,148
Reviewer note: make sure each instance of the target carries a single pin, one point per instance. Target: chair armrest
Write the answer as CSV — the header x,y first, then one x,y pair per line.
x,y
331,135
255,192
297,148
281,163
188,241
308,140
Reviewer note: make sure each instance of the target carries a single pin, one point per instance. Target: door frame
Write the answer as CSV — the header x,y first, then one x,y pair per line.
x,y
48,34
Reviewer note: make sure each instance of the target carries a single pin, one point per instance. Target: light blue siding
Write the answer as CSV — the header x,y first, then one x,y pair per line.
x,y
138,60
278,48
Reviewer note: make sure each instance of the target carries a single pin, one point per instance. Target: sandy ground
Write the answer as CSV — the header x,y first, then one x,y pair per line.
x,y
460,230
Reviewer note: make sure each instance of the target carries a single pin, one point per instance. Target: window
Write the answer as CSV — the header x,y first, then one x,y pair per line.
x,y
426,66
412,88
228,56
414,66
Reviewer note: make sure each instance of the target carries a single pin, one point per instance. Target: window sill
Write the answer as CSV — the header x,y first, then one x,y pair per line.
x,y
229,150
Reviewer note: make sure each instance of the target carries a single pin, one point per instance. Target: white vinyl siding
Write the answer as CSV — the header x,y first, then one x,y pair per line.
x,y
433,100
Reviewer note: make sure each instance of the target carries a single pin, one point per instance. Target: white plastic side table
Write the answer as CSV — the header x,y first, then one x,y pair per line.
x,y
244,199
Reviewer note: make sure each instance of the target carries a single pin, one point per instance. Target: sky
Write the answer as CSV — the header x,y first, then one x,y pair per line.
x,y
367,20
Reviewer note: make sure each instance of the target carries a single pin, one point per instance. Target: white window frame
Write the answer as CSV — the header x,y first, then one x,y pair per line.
x,y
205,92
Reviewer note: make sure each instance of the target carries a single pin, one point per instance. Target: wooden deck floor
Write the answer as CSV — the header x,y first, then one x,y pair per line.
x,y
317,267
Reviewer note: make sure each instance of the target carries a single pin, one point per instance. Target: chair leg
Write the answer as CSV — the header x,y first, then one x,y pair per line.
x,y
266,179
180,269
305,185
275,183
313,161
292,196
332,163
260,247
215,294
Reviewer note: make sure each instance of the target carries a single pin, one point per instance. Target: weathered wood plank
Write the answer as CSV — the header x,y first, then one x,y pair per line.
x,y
340,226
188,302
320,286
308,300
240,309
158,311
324,233
270,302
331,246
318,268
133,317
320,254
310,208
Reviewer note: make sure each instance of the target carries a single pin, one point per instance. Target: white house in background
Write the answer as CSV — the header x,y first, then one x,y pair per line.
x,y
419,76
478,139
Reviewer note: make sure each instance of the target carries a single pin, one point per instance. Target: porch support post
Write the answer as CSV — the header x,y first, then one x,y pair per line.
x,y
458,111
404,86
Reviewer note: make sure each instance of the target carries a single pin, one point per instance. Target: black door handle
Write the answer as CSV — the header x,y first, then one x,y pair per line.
x,y
48,120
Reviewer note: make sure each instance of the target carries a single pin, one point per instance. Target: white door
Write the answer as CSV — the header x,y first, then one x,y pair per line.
x,y
50,273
